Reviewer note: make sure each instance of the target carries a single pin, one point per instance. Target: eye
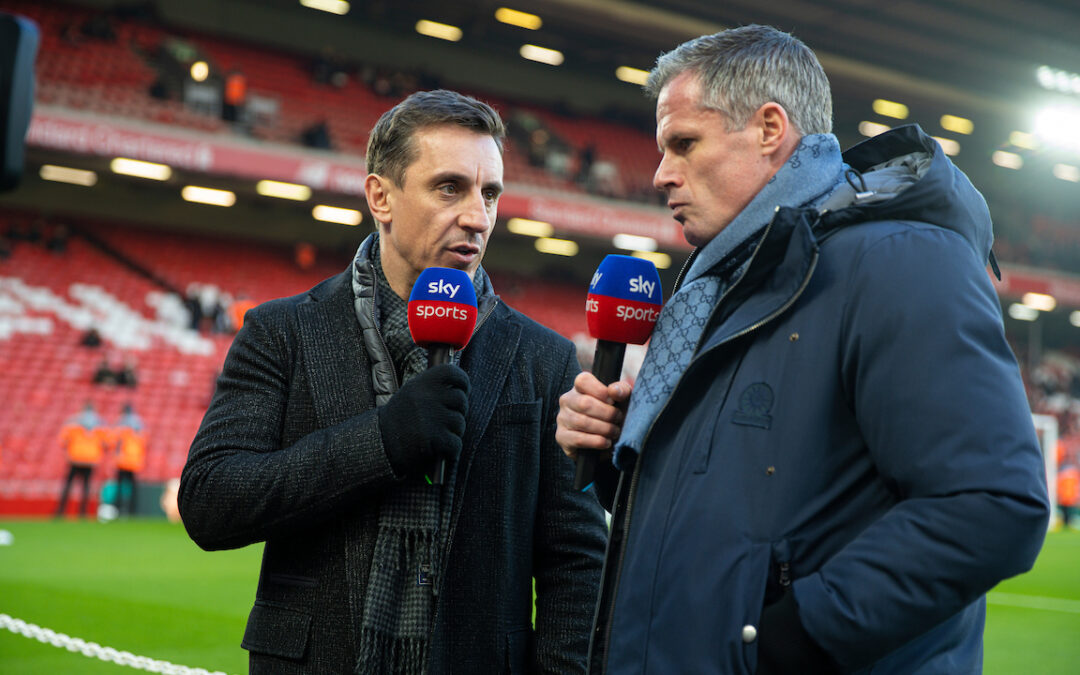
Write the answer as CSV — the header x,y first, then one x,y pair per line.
x,y
683,144
448,189
491,195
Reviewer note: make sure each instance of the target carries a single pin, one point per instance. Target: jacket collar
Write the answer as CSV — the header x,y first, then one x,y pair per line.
x,y
777,273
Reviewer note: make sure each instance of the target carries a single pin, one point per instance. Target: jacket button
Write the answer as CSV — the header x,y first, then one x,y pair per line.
x,y
749,633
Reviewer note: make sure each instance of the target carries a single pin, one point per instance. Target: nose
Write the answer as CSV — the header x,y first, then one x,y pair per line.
x,y
475,215
665,177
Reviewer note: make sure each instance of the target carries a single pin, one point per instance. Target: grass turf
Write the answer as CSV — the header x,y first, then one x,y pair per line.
x,y
140,586
144,587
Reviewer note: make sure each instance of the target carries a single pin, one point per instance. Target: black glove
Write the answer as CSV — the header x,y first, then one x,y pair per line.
x,y
785,647
424,421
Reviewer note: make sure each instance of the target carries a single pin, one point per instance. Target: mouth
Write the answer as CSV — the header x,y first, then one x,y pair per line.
x,y
464,253
677,209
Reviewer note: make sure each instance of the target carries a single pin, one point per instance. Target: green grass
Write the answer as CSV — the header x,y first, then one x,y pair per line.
x,y
143,587
1021,640
140,586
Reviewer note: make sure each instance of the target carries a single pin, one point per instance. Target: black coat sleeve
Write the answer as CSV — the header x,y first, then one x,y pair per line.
x,y
241,483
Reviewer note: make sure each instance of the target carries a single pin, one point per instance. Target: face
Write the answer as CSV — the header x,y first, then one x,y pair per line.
x,y
709,174
442,214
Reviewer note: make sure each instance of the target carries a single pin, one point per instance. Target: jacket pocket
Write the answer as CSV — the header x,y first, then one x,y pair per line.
x,y
514,429
526,412
769,578
518,659
277,631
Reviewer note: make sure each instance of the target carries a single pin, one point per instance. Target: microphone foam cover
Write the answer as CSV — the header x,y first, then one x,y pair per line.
x,y
624,300
442,308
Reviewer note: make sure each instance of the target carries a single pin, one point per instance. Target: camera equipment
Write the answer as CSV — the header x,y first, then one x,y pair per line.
x,y
18,46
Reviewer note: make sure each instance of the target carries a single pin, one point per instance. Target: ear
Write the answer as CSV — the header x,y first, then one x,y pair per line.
x,y
377,191
775,128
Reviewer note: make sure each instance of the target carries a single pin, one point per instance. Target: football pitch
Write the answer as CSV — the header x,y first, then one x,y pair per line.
x,y
143,588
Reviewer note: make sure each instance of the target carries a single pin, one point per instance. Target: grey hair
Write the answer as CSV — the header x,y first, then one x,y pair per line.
x,y
390,147
742,69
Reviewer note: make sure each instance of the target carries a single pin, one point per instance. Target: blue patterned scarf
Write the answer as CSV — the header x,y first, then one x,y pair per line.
x,y
809,176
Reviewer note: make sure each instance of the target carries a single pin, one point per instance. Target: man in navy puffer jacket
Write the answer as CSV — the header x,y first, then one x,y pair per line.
x,y
828,458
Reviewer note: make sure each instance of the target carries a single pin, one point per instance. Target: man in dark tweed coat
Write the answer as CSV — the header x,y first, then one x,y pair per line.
x,y
326,420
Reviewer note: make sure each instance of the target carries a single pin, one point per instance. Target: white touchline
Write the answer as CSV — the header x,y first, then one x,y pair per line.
x,y
1033,602
94,650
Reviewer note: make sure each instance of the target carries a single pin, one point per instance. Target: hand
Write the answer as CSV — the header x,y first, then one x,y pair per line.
x,y
590,415
425,420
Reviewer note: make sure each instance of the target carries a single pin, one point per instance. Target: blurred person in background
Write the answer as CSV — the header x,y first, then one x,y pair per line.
x,y
194,304
83,438
126,375
234,96
130,448
326,420
105,373
1068,490
91,338
238,309
169,498
828,458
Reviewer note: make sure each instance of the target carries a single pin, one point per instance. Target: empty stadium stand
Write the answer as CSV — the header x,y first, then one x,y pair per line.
x,y
48,300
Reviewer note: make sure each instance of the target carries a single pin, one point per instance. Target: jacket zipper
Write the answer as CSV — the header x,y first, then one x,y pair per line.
x,y
785,575
685,267
637,465
783,308
622,555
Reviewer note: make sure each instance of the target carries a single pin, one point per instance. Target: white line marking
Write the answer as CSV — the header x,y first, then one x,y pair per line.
x,y
1033,602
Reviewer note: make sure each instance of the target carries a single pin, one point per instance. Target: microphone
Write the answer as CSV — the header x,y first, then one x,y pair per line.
x,y
442,315
623,304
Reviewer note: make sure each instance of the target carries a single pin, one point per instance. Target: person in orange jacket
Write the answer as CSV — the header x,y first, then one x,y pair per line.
x,y
83,438
130,457
238,309
1068,490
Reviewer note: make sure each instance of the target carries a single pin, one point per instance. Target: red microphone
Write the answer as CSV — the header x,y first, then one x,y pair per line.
x,y
442,315
623,304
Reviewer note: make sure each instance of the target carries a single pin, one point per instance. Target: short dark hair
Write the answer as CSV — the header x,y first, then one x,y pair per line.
x,y
742,69
390,148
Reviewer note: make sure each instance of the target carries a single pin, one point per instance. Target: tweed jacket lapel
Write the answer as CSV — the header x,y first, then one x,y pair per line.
x,y
339,370
487,359
338,367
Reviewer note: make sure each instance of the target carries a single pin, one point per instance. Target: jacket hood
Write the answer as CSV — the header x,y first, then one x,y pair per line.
x,y
903,174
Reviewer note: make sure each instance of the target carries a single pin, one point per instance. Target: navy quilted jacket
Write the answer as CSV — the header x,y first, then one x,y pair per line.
x,y
853,430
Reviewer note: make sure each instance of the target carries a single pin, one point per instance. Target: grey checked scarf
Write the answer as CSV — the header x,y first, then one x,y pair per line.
x,y
809,176
414,518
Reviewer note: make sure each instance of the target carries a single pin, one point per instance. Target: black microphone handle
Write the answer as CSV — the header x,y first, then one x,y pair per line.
x,y
607,367
607,360
438,355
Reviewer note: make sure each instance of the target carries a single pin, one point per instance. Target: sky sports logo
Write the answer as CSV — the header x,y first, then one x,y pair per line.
x,y
443,287
625,312
442,308
624,300
637,285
